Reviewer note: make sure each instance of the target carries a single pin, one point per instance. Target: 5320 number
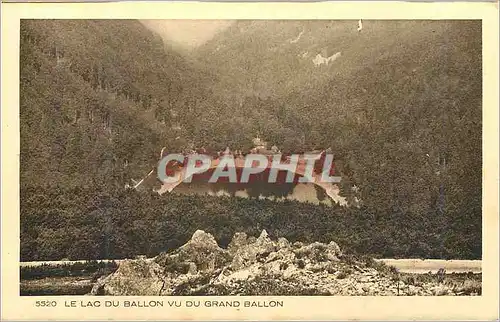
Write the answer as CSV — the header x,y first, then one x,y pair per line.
x,y
45,303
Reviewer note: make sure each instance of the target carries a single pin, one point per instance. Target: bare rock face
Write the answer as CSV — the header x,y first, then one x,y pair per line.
x,y
200,254
137,277
283,243
319,252
239,240
264,244
257,266
246,252
203,251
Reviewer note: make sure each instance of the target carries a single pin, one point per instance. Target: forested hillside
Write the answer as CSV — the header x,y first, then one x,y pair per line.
x,y
113,224
99,99
400,107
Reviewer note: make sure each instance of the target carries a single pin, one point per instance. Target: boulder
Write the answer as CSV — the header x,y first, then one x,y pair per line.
x,y
239,240
283,243
203,251
247,253
264,244
319,252
137,277
335,249
440,290
202,238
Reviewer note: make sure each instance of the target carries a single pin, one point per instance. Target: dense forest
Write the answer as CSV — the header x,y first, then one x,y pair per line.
x,y
401,110
98,100
82,223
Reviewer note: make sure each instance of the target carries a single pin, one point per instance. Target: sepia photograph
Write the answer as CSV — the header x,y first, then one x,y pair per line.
x,y
249,161
250,157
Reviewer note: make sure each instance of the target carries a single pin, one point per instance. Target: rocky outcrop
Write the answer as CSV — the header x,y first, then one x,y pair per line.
x,y
259,266
201,253
133,277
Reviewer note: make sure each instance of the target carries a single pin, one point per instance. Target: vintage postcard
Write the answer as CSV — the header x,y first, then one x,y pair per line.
x,y
287,161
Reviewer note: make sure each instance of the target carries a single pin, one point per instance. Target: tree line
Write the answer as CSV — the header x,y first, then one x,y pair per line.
x,y
84,223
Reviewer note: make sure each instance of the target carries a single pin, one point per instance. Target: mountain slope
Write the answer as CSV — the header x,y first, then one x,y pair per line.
x,y
400,105
98,100
276,57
